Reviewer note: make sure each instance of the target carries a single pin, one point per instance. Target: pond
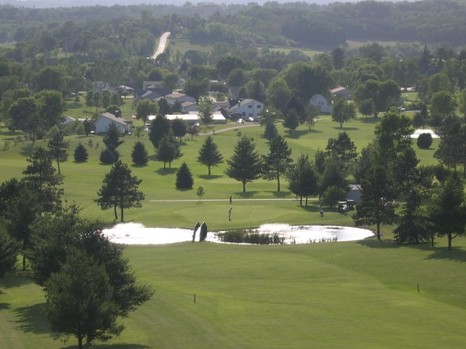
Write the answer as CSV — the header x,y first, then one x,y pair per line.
x,y
138,234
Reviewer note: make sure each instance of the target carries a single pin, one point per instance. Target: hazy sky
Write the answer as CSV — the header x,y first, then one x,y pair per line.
x,y
68,3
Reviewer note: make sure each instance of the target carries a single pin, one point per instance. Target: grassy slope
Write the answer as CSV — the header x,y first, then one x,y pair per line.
x,y
360,295
352,295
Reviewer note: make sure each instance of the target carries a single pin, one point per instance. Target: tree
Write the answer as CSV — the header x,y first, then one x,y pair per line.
x,y
291,120
200,192
109,156
24,116
442,104
333,175
448,211
343,149
209,154
8,253
342,111
139,154
424,141
244,165
79,300
270,131
196,88
452,147
205,111
332,195
169,149
382,94
144,109
50,107
50,78
307,79
277,161
376,206
179,128
119,190
80,153
184,178
57,146
158,128
302,180
112,137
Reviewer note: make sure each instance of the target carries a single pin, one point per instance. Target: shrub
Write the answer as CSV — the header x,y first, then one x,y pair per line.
x,y
109,156
80,153
424,141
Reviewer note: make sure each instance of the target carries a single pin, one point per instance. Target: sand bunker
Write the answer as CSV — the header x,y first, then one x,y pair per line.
x,y
420,131
138,234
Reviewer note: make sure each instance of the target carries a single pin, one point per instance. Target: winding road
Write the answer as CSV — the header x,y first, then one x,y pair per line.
x,y
161,46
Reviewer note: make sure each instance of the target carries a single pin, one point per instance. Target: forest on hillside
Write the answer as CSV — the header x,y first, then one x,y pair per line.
x,y
82,29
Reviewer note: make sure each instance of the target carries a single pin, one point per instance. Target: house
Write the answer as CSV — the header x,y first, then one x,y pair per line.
x,y
189,118
187,107
246,108
178,97
150,95
99,86
341,92
321,103
104,120
123,90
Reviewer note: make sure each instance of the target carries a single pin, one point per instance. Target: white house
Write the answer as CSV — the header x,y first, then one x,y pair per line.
x,y
104,120
247,108
321,103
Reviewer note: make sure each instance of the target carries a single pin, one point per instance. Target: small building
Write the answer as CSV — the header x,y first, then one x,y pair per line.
x,y
187,107
321,103
341,92
104,120
246,108
354,193
177,97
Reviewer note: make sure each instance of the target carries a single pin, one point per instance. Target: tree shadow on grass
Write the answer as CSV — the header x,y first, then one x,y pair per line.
x,y
15,279
346,128
297,133
4,306
369,120
32,319
443,253
207,177
381,244
166,171
281,194
112,346
246,195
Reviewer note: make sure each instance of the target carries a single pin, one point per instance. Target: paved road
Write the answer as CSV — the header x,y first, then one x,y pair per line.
x,y
162,44
229,128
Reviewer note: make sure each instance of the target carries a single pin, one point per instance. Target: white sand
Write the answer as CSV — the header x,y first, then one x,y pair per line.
x,y
137,234
420,131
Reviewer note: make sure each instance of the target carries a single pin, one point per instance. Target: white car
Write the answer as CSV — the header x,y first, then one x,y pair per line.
x,y
240,121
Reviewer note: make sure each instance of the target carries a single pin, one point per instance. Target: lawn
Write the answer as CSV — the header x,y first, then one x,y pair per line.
x,y
330,295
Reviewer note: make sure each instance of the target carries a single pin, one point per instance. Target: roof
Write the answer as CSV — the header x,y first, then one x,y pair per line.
x,y
338,89
175,95
112,117
244,102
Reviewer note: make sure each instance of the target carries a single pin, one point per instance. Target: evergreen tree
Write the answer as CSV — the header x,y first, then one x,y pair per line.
x,y
139,154
57,146
184,178
119,190
277,161
270,130
291,120
8,253
112,137
179,127
109,156
80,153
245,163
209,154
376,206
